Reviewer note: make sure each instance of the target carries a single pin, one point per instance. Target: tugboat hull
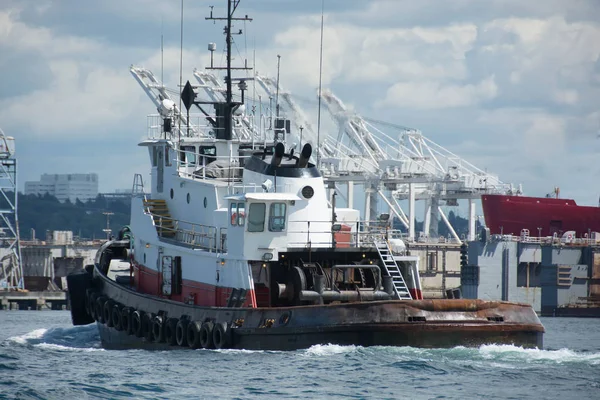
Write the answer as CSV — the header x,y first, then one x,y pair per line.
x,y
417,335
417,323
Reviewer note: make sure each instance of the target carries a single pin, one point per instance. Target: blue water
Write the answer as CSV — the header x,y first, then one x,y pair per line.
x,y
43,357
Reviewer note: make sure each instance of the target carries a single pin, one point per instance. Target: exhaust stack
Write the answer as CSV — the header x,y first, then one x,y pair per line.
x,y
304,156
278,156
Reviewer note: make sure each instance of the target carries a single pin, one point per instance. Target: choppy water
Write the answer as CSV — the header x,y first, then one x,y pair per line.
x,y
43,357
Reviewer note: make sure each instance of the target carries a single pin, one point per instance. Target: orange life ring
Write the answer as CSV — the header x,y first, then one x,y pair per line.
x,y
234,218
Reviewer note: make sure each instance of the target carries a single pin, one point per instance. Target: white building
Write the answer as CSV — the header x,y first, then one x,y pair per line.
x,y
65,186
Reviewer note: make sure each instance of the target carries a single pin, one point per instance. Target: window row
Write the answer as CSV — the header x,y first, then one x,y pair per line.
x,y
257,214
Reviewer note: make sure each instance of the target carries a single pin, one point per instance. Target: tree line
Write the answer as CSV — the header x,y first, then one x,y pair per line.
x,y
85,219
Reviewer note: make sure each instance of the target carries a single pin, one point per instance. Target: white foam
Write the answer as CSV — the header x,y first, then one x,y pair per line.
x,y
330,349
33,335
50,346
238,351
519,354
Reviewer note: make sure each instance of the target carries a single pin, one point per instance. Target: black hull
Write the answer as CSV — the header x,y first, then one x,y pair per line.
x,y
420,335
417,323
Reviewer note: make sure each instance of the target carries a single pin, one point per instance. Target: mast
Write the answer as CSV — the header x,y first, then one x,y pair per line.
x,y
224,111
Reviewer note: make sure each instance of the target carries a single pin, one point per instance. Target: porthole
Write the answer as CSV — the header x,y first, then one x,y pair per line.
x,y
308,192
144,258
188,198
205,202
172,193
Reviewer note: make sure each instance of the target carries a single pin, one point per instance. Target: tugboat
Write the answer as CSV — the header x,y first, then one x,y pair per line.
x,y
236,245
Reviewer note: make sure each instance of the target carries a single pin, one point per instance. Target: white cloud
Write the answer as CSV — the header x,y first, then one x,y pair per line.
x,y
520,79
432,95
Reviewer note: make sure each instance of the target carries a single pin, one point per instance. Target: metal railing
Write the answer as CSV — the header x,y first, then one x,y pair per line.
x,y
552,240
206,237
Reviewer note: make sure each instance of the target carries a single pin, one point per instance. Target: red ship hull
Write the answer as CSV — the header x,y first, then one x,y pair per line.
x,y
511,214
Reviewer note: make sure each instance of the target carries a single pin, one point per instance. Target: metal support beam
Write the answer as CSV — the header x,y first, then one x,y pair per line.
x,y
450,228
401,217
471,220
427,217
411,212
434,217
350,194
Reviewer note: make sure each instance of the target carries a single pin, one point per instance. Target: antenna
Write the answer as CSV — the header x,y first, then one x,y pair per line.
x,y
108,231
225,110
320,80
277,93
181,70
162,55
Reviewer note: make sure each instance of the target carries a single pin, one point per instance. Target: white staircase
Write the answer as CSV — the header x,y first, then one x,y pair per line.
x,y
389,264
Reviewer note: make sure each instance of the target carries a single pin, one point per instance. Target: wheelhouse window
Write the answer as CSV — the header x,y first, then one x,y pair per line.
x,y
256,217
188,155
277,217
237,214
241,214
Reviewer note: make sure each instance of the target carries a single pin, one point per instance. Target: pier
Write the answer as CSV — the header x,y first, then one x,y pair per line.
x,y
26,300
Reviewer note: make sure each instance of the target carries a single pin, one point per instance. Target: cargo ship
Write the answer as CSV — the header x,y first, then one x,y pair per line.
x,y
539,216
236,245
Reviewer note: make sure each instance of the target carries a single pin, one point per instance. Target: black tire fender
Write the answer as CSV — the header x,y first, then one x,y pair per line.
x,y
92,304
221,336
147,326
170,331
206,335
136,323
158,329
193,334
107,312
115,317
181,332
100,309
126,325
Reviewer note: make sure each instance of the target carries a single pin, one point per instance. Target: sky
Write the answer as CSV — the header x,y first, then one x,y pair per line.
x,y
512,86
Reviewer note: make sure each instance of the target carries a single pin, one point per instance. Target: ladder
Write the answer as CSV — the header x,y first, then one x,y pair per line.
x,y
163,221
390,266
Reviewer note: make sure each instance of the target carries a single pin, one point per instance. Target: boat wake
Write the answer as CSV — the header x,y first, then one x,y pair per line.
x,y
80,338
506,355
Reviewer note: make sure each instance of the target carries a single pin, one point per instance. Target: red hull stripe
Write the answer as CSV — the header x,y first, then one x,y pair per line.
x,y
149,282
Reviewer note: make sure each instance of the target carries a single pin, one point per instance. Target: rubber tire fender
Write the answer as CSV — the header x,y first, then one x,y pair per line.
x,y
100,309
92,301
107,312
78,283
206,335
170,331
221,336
115,317
158,329
136,323
126,320
181,332
147,327
193,334
88,302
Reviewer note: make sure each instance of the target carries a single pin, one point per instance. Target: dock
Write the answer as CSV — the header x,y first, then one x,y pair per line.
x,y
28,300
